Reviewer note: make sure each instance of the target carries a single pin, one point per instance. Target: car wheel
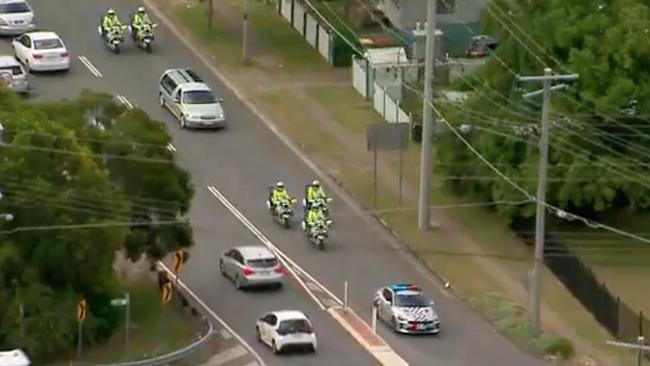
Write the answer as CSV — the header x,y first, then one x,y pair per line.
x,y
161,100
258,335
221,269
393,323
276,350
238,283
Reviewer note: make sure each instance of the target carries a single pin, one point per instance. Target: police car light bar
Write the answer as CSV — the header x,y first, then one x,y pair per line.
x,y
405,287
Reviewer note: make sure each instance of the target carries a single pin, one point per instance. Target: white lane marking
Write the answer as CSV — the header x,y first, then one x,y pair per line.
x,y
291,266
252,364
89,65
241,340
171,147
226,356
122,99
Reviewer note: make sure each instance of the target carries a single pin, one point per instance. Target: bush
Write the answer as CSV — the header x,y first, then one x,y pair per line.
x,y
560,347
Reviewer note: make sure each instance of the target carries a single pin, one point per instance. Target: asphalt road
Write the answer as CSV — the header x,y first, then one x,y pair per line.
x,y
240,162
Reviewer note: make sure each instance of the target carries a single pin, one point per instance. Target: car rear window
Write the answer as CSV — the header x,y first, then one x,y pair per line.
x,y
294,326
262,263
15,70
47,44
14,8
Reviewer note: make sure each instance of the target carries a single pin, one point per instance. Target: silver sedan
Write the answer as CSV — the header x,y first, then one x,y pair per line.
x,y
251,266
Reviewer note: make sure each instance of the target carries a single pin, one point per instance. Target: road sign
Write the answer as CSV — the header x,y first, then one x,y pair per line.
x,y
166,292
119,301
81,310
179,259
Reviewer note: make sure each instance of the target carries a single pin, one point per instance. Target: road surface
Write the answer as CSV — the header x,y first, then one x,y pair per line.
x,y
240,162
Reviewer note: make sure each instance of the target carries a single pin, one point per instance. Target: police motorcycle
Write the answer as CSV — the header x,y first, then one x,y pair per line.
x,y
113,37
144,38
283,212
318,233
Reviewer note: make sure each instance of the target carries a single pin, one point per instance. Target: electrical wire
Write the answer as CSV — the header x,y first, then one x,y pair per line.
x,y
87,226
68,152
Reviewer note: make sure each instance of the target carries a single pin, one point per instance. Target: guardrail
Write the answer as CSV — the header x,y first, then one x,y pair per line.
x,y
172,356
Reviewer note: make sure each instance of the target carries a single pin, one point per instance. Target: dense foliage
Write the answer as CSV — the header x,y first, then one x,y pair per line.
x,y
79,162
599,135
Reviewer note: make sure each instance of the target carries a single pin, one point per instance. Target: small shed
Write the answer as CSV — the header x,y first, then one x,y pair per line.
x,y
14,358
387,68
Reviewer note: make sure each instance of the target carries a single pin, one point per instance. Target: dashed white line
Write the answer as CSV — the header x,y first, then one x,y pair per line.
x,y
89,65
171,147
122,99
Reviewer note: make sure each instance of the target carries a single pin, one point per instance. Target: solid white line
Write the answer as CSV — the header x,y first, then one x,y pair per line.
x,y
171,147
221,321
226,356
289,265
122,99
89,65
252,364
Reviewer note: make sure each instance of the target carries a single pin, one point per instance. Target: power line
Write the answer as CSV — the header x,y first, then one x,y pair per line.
x,y
87,226
68,152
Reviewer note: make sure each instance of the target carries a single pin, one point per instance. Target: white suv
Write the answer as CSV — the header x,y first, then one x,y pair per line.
x,y
16,17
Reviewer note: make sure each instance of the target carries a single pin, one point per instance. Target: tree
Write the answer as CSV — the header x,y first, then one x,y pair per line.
x,y
589,160
74,162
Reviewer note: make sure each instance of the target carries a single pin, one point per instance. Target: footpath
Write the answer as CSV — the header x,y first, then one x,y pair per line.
x,y
286,94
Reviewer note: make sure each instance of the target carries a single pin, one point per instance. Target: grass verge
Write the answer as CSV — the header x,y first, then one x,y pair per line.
x,y
510,319
155,330
354,115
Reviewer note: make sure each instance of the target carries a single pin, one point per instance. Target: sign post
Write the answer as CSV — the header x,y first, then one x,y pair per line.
x,y
126,302
387,137
81,316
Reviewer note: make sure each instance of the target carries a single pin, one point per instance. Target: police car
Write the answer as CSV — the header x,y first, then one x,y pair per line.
x,y
405,308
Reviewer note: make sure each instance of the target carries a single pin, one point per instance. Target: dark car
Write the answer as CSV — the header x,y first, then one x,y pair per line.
x,y
481,46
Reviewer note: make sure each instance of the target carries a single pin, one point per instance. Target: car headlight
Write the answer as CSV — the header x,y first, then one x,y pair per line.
x,y
190,116
401,317
3,22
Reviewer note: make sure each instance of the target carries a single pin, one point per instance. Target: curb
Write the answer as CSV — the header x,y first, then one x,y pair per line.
x,y
382,353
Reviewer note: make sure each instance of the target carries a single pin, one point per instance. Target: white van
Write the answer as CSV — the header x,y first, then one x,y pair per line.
x,y
190,100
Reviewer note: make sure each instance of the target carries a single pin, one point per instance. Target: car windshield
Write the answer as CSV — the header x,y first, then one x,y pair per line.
x,y
199,97
14,8
15,70
47,44
262,262
411,301
294,326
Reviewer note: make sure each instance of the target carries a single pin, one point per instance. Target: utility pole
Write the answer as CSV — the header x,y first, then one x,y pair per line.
x,y
640,348
540,220
245,32
426,161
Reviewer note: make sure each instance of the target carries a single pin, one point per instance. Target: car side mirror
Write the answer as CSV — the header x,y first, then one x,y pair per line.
x,y
220,100
431,303
177,100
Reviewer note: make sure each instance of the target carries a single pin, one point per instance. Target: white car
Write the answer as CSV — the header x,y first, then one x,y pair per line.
x,y
285,330
16,17
41,51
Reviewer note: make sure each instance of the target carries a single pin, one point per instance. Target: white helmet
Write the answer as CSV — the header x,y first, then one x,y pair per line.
x,y
279,184
141,9
315,183
110,12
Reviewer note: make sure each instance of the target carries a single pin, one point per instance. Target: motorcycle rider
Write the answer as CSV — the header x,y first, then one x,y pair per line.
x,y
314,192
109,21
140,18
279,195
314,217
